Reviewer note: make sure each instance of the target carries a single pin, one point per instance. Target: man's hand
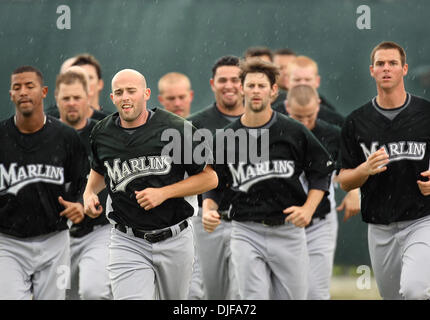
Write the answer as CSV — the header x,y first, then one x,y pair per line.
x,y
351,204
92,206
73,210
210,219
376,163
150,198
424,186
299,216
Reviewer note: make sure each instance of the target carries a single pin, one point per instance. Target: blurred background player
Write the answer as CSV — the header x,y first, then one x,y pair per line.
x,y
175,93
43,168
89,239
321,234
264,53
214,249
90,66
282,58
304,70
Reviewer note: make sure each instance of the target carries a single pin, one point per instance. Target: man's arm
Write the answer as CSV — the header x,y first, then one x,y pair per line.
x,y
196,184
354,178
301,216
95,184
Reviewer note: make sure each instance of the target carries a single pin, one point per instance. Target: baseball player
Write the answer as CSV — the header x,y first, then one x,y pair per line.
x,y
214,249
151,249
385,152
175,95
42,175
269,255
321,234
89,239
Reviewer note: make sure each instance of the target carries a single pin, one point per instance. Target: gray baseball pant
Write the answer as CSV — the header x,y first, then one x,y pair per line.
x,y
214,252
271,262
140,270
89,260
321,239
400,256
34,268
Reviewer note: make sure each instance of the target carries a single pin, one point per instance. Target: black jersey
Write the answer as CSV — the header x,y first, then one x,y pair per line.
x,y
87,224
211,118
326,113
392,195
35,169
263,189
329,136
53,111
132,161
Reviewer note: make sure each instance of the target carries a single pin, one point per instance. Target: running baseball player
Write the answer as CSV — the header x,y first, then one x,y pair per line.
x,y
269,255
151,249
42,175
89,239
214,249
321,234
385,153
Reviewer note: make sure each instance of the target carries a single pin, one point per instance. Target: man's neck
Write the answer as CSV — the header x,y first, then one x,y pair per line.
x,y
256,119
30,124
77,126
141,120
236,111
391,99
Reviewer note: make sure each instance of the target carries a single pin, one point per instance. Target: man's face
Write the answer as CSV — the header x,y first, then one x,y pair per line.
x,y
282,61
129,94
72,102
27,93
303,75
387,69
307,114
257,91
177,98
95,85
226,87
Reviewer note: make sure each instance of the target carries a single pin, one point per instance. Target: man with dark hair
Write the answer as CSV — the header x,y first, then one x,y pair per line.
x,y
42,175
263,53
214,249
269,206
385,153
89,239
281,58
94,71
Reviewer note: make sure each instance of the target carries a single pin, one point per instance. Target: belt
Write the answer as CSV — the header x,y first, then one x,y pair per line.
x,y
270,223
152,236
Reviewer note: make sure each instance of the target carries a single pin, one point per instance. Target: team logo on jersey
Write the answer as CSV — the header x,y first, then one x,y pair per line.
x,y
246,175
14,179
122,173
402,150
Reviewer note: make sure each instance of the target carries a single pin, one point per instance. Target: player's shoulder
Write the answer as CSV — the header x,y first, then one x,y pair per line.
x,y
105,123
56,125
167,119
328,127
419,101
364,110
203,114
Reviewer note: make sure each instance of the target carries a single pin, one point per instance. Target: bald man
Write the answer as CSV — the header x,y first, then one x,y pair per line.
x,y
175,94
151,247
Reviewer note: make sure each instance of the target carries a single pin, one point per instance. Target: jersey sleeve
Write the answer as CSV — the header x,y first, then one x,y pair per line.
x,y
77,168
318,163
197,153
95,163
349,155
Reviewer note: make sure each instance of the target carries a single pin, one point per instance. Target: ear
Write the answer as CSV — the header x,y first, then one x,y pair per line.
x,y
160,99
147,93
371,70
211,82
318,81
100,85
191,95
405,69
44,91
111,97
